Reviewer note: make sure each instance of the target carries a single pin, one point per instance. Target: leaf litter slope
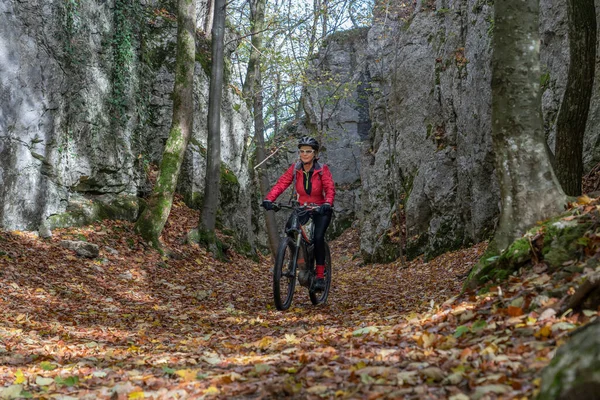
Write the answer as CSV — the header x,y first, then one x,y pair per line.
x,y
132,324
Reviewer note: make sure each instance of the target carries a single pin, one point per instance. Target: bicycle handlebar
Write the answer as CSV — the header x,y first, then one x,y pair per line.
x,y
311,207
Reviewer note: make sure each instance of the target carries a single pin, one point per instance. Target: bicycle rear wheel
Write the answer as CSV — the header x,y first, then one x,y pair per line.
x,y
284,281
321,297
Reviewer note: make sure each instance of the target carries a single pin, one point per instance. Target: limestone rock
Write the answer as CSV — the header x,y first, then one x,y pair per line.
x,y
79,127
428,76
84,249
574,372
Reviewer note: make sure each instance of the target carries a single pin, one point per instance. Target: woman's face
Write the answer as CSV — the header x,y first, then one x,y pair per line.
x,y
307,154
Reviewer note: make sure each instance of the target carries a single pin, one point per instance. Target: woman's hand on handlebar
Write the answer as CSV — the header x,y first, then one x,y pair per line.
x,y
267,205
325,208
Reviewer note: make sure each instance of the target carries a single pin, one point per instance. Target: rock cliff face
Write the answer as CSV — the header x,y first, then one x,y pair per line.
x,y
85,109
427,160
336,108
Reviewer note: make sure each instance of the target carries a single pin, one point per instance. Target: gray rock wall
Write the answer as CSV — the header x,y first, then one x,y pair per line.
x,y
336,113
430,143
428,78
80,122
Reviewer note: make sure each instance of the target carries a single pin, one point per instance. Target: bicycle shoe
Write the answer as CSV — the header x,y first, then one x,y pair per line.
x,y
319,285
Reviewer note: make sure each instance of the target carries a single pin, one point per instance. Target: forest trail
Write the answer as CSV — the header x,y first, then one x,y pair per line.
x,y
132,324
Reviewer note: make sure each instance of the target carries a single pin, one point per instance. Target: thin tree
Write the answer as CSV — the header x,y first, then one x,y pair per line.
x,y
209,17
573,114
213,154
253,93
153,219
529,189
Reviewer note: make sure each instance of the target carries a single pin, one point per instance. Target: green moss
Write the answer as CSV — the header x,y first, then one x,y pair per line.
x,y
447,238
160,56
561,241
339,225
415,245
127,23
170,163
211,242
203,54
574,371
246,249
228,176
497,267
194,199
479,4
386,251
545,81
86,211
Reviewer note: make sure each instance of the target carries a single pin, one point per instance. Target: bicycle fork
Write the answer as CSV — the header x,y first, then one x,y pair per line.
x,y
292,271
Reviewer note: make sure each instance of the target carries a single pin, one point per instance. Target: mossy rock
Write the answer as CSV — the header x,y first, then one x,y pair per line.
x,y
385,252
416,245
574,372
447,238
338,225
561,242
204,53
209,240
496,267
84,211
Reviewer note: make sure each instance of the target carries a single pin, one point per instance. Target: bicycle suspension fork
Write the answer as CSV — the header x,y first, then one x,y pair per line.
x,y
297,243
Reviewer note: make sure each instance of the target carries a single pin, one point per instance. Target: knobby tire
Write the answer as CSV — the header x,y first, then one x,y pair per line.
x,y
283,263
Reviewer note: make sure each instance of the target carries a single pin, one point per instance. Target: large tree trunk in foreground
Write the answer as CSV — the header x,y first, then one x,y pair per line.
x,y
529,189
213,154
573,114
153,219
253,93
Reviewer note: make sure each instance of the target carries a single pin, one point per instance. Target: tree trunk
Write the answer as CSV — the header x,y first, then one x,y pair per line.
x,y
153,219
573,114
529,189
213,153
324,18
253,93
209,17
276,103
259,129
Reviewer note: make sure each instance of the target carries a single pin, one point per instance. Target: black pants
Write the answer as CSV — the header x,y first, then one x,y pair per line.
x,y
321,223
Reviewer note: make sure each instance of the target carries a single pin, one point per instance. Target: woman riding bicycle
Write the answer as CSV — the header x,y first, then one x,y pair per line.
x,y
314,185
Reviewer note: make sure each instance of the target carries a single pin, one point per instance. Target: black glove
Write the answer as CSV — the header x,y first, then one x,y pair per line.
x,y
267,204
325,208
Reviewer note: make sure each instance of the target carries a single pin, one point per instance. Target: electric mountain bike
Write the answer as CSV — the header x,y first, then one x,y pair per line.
x,y
295,258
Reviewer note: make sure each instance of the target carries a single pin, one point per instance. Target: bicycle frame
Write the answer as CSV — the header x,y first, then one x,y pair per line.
x,y
296,233
296,239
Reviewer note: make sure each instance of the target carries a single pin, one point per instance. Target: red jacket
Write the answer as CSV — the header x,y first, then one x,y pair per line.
x,y
322,191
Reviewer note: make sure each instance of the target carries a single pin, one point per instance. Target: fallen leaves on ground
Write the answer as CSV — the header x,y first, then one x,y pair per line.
x,y
133,324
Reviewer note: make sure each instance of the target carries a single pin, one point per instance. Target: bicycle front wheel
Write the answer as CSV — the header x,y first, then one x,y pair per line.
x,y
321,297
284,280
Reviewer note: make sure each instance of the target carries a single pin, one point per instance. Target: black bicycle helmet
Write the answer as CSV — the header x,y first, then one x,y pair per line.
x,y
308,141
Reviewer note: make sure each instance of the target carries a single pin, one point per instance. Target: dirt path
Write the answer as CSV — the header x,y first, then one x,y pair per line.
x,y
132,324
